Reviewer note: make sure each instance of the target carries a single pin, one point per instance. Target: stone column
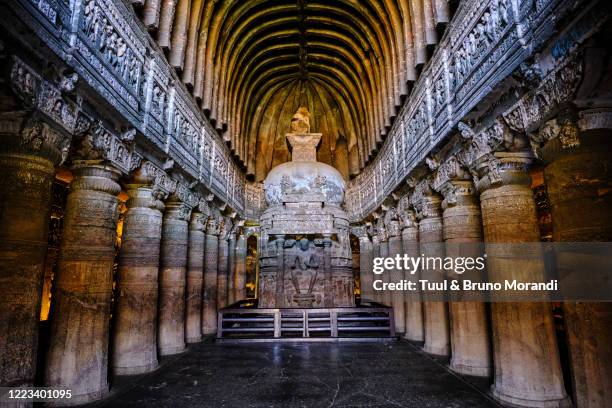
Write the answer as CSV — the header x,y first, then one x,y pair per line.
x,y
576,174
431,243
280,271
195,278
135,327
240,268
172,274
231,273
376,296
223,268
395,275
27,157
384,297
469,331
526,359
78,347
365,261
413,300
209,293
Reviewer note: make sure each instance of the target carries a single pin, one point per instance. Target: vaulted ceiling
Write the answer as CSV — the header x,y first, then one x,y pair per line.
x,y
251,63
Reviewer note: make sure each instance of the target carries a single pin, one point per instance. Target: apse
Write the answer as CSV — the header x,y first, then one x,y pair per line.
x,y
250,64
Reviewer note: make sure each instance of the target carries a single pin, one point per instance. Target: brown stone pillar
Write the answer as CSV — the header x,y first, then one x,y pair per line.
x,y
413,300
195,278
240,268
231,273
209,293
469,331
376,295
78,353
27,167
222,265
578,179
384,296
431,243
395,275
172,274
135,327
526,359
366,276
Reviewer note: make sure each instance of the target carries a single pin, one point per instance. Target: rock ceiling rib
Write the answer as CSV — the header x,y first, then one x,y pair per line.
x,y
251,63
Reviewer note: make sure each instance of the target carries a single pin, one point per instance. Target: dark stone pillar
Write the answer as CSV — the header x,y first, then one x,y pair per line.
x,y
240,269
526,359
195,278
135,327
365,262
469,331
222,265
431,242
231,264
27,157
172,274
578,180
395,275
413,299
78,353
209,294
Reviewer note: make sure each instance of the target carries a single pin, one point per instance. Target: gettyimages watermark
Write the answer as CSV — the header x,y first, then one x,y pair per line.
x,y
496,272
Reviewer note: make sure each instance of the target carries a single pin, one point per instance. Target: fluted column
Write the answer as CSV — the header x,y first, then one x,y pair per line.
x,y
209,293
78,351
172,274
195,278
27,158
135,326
413,300
526,359
240,269
231,264
576,174
431,243
469,331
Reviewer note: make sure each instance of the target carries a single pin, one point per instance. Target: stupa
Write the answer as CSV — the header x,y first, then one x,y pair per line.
x,y
305,256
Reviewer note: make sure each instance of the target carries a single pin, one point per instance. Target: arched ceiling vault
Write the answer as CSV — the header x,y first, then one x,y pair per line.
x,y
251,63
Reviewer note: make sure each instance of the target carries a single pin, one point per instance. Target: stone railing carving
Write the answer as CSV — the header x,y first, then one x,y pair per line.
x,y
485,42
102,42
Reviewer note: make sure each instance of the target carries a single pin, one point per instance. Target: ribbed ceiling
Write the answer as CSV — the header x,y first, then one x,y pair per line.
x,y
252,62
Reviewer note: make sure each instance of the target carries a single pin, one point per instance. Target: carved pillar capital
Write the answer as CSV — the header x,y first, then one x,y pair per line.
x,y
425,200
454,182
392,222
198,221
177,209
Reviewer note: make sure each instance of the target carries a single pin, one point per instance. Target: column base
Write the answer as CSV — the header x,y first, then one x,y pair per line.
x,y
79,399
136,370
441,352
169,351
191,340
464,369
513,401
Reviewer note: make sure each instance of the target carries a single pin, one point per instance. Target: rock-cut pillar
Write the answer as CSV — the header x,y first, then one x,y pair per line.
x,y
209,294
575,178
222,271
365,265
240,268
78,350
469,331
525,355
435,312
172,275
27,170
135,326
195,278
413,299
231,273
396,275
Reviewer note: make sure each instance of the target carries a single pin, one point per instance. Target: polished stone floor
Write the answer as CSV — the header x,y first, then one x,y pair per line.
x,y
299,375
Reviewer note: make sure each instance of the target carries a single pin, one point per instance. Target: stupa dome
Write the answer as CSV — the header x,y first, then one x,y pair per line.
x,y
303,179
